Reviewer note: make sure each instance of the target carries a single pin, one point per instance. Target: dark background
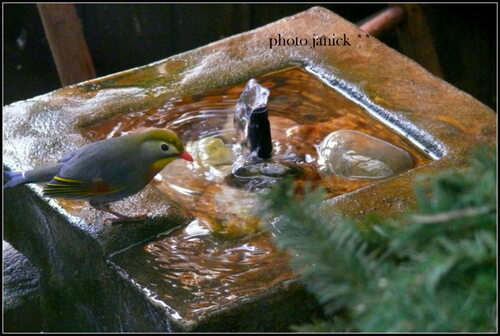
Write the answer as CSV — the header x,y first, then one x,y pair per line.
x,y
123,36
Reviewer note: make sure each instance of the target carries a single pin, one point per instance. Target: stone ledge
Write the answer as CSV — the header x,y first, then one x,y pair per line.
x,y
21,292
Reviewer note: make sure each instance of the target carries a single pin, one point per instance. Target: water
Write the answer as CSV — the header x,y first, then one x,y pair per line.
x,y
302,111
223,255
198,274
418,137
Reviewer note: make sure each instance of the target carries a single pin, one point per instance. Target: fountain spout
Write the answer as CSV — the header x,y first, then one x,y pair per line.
x,y
251,122
257,169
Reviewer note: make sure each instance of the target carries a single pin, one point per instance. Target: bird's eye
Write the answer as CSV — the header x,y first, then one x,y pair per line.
x,y
164,147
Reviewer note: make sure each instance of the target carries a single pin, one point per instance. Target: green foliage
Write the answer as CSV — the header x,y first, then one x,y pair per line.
x,y
432,271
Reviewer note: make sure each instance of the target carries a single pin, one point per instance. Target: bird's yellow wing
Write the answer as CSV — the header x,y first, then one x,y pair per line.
x,y
73,188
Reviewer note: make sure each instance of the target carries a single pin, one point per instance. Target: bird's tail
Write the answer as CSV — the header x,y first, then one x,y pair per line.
x,y
13,178
42,174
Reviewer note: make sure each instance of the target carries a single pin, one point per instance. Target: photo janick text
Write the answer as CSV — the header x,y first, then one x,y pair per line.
x,y
332,40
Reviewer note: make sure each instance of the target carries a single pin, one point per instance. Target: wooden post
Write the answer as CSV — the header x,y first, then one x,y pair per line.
x,y
67,43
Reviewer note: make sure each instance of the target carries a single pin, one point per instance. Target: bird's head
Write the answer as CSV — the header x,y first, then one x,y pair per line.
x,y
159,147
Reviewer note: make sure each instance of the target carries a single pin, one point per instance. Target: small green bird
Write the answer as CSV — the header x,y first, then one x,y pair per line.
x,y
108,170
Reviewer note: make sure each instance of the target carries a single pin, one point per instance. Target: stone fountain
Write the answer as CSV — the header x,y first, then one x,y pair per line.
x,y
166,273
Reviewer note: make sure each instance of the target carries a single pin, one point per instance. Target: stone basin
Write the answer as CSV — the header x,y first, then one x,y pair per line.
x,y
95,277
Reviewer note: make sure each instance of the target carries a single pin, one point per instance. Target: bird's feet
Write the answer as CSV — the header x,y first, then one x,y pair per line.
x,y
126,219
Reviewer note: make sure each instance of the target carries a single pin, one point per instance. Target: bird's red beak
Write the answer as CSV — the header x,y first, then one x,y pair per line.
x,y
186,156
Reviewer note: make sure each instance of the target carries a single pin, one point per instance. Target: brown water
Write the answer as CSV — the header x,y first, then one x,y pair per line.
x,y
302,109
194,272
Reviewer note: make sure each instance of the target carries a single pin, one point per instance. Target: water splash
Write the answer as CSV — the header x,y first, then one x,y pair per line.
x,y
251,122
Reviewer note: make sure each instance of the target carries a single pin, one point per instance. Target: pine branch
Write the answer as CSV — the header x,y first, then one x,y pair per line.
x,y
444,217
434,271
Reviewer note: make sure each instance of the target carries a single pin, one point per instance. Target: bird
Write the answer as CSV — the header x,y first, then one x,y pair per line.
x,y
106,171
